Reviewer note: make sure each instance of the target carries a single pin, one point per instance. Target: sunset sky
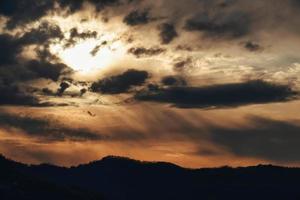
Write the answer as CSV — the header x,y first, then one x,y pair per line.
x,y
200,83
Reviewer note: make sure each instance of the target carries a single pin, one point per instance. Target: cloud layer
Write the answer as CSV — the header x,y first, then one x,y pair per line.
x,y
227,95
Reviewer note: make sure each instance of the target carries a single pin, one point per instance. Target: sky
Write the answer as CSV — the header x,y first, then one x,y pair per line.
x,y
200,83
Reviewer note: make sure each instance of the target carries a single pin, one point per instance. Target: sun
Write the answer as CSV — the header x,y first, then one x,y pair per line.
x,y
80,58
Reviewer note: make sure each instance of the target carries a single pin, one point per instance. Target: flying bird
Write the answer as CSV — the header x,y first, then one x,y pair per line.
x,y
91,114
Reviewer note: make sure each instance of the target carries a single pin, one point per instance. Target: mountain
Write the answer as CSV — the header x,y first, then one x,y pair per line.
x,y
117,178
15,184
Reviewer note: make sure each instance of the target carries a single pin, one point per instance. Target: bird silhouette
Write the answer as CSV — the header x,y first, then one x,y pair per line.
x,y
91,114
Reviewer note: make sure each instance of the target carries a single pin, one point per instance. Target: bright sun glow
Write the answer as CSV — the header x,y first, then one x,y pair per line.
x,y
80,58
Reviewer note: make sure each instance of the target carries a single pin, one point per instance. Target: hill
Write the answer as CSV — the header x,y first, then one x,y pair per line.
x,y
122,178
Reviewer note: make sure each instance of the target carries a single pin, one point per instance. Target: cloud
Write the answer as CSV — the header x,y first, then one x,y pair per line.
x,y
13,95
71,5
48,92
63,87
47,131
264,138
295,2
42,34
102,4
136,17
47,70
173,81
142,51
19,95
182,64
83,35
120,83
167,33
12,49
223,25
97,48
251,46
75,35
21,12
15,69
99,5
215,96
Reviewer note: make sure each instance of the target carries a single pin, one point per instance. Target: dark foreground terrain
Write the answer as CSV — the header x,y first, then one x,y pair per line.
x,y
115,178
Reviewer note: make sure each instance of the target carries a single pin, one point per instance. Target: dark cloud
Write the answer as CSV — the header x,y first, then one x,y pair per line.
x,y
20,95
167,33
47,70
42,34
97,48
15,70
44,54
44,129
77,5
63,87
13,87
48,92
83,91
136,17
102,4
12,49
264,138
120,83
62,91
21,12
295,2
227,95
231,25
182,64
184,48
173,81
251,46
75,36
14,95
32,70
142,51
71,5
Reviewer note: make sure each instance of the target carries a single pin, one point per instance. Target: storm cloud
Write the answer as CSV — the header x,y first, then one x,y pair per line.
x,y
120,83
216,96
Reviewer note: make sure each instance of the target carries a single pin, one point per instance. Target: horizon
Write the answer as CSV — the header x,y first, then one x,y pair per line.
x,y
144,162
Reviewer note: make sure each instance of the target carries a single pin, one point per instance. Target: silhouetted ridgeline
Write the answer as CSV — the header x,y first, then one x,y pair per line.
x,y
115,178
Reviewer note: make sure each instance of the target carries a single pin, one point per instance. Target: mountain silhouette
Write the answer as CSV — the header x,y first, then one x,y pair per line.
x,y
117,178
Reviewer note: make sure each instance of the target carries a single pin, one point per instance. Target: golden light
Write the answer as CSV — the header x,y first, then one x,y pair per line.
x,y
80,59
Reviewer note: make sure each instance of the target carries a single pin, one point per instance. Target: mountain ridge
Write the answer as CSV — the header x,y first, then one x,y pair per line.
x,y
123,158
115,178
